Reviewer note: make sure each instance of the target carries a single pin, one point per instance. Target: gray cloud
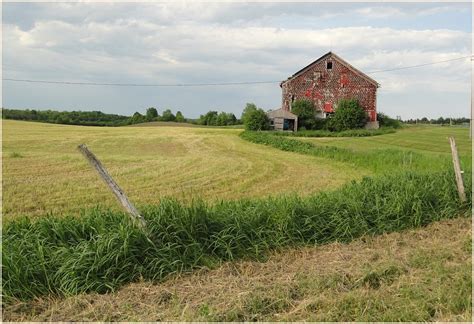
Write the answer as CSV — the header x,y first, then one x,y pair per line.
x,y
194,43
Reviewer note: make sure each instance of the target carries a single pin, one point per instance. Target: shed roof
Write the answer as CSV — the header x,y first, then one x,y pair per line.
x,y
343,62
281,113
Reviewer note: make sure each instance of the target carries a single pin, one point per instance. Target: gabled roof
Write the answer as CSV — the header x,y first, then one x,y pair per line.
x,y
281,113
350,67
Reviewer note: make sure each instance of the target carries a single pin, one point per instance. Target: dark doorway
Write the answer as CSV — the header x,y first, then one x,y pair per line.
x,y
288,124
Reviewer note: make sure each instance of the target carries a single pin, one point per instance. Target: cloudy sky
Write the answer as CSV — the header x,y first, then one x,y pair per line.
x,y
184,42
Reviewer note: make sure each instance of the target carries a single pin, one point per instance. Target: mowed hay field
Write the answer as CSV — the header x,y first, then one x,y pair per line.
x,y
43,172
394,246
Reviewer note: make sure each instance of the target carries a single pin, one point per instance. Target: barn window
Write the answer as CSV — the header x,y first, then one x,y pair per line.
x,y
329,65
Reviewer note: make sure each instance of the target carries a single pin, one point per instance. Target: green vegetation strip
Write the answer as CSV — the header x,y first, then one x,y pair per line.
x,y
376,160
101,251
347,133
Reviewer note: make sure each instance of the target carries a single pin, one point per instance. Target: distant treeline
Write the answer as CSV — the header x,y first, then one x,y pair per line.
x,y
439,121
213,118
87,118
98,118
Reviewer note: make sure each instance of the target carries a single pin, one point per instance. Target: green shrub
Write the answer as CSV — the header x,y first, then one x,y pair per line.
x,y
249,108
347,133
100,251
386,121
304,109
348,115
256,120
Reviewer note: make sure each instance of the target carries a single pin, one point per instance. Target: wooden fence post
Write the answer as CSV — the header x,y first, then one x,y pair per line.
x,y
457,170
132,211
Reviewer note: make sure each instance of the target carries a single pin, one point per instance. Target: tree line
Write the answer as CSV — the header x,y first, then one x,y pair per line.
x,y
439,121
98,118
87,118
90,118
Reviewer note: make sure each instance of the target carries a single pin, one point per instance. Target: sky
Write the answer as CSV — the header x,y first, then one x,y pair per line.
x,y
193,42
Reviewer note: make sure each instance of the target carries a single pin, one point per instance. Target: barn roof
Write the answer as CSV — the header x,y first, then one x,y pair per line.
x,y
281,113
343,62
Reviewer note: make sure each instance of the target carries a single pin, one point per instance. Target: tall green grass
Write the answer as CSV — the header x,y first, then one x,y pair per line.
x,y
347,133
101,250
376,160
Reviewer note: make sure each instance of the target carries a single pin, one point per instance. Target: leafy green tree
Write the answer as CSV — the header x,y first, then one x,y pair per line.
x,y
151,114
168,116
222,119
179,117
137,118
231,119
249,108
256,120
348,115
210,118
305,111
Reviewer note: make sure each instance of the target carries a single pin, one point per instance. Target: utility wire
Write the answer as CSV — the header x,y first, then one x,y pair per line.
x,y
419,65
140,85
208,84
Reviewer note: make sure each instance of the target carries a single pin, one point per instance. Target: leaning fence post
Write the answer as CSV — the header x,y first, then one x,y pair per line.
x,y
131,210
457,170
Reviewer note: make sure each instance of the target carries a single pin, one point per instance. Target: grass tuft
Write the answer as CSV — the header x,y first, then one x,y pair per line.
x,y
15,155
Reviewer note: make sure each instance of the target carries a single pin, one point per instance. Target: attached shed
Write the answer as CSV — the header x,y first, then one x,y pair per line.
x,y
281,119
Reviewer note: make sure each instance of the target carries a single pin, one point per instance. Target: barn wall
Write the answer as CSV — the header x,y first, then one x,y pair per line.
x,y
326,87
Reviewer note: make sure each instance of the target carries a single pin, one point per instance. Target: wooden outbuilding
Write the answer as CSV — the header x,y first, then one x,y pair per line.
x,y
283,120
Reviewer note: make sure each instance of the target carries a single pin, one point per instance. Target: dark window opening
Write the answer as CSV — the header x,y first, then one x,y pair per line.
x,y
292,98
329,65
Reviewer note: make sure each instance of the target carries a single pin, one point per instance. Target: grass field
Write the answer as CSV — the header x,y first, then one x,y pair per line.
x,y
425,139
43,172
426,277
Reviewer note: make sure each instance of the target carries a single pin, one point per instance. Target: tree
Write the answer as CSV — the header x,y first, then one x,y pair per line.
x,y
222,119
249,108
137,118
168,116
210,118
151,114
231,119
179,117
305,111
348,115
256,120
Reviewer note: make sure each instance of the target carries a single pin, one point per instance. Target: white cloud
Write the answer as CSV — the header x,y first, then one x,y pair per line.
x,y
184,43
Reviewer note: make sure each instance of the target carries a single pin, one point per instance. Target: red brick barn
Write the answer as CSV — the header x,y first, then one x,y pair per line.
x,y
326,81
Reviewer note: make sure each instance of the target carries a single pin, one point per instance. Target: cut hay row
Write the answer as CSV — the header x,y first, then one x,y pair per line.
x,y
101,251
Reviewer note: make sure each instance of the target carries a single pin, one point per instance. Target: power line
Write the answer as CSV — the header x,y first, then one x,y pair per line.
x,y
208,84
141,85
419,65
